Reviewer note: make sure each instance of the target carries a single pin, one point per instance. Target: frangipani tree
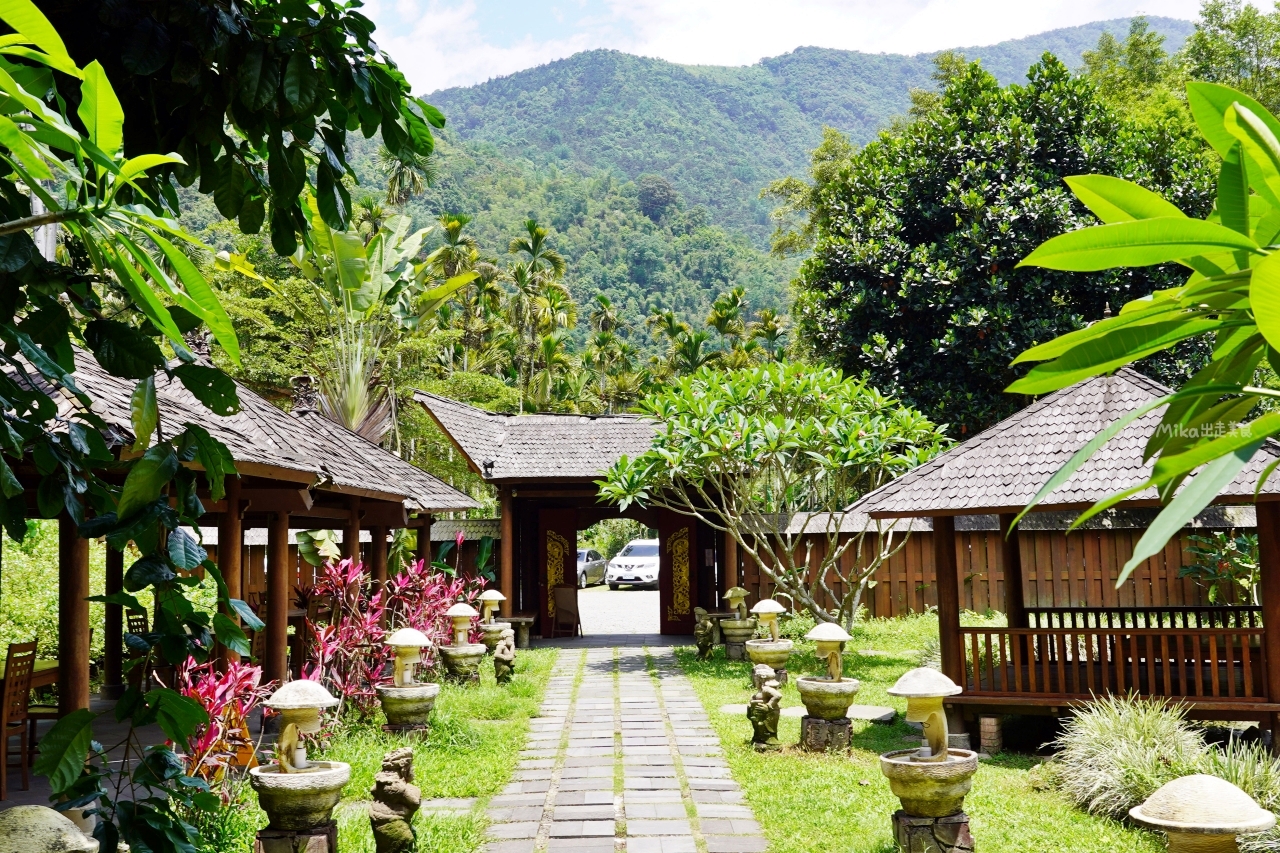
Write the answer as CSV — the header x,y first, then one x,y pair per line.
x,y
1213,425
368,292
773,455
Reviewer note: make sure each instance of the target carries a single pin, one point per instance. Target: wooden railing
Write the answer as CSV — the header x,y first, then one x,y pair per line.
x,y
1219,664
1144,617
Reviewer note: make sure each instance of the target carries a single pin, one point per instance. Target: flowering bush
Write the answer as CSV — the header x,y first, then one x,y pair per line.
x,y
348,655
228,698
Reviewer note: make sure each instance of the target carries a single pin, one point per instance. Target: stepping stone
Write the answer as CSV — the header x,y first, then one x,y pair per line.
x,y
522,829
523,845
874,713
662,844
736,844
741,710
658,827
515,814
580,845
581,828
745,826
600,812
657,811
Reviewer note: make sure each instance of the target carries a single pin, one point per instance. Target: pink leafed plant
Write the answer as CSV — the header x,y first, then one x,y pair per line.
x,y
228,697
348,655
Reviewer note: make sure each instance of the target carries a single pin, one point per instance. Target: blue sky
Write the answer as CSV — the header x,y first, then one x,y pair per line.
x,y
442,43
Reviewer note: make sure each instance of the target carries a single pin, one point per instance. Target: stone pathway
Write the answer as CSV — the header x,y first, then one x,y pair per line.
x,y
622,758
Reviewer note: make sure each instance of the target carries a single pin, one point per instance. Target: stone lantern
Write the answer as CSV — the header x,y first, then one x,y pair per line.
x,y
737,631
774,651
490,630
1202,814
299,795
406,703
40,829
827,725
930,782
462,659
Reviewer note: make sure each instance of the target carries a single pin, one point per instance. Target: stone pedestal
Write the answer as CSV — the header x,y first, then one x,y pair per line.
x,y
522,626
318,839
991,738
819,735
409,729
932,834
735,651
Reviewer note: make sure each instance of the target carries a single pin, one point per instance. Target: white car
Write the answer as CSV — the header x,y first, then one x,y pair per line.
x,y
636,565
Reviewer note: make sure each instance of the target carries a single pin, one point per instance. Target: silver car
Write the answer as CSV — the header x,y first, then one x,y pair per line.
x,y
591,567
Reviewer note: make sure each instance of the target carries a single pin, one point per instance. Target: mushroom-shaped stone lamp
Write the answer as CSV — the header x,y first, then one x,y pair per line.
x,y
829,637
924,688
407,645
767,611
299,704
737,598
461,614
489,601
1202,814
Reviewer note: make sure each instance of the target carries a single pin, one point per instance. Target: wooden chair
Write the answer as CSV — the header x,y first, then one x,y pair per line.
x,y
136,623
19,665
566,622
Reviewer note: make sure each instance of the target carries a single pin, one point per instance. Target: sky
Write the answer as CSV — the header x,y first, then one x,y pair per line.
x,y
444,43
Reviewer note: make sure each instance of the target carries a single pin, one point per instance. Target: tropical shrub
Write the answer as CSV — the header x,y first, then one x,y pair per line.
x,y
1227,564
228,698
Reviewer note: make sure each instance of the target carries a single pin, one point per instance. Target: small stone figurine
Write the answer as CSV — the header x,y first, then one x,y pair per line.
x,y
395,801
704,633
504,656
765,708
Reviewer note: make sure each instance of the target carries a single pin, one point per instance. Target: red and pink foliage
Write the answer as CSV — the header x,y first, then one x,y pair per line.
x,y
228,697
348,655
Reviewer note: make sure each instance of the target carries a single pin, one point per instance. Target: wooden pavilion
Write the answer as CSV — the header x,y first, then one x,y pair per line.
x,y
545,467
297,470
1223,661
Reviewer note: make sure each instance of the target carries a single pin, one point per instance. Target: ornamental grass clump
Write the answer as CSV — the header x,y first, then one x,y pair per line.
x,y
1119,750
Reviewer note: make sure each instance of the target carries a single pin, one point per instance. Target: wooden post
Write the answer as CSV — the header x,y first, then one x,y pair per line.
x,y
113,636
73,617
230,551
948,580
422,553
730,562
1015,607
1269,581
279,575
506,551
351,533
378,555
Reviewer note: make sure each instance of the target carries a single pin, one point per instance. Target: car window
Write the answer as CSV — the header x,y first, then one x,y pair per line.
x,y
640,549
584,555
594,555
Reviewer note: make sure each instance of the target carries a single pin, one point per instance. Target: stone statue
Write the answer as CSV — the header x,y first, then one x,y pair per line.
x,y
504,656
765,708
395,801
704,633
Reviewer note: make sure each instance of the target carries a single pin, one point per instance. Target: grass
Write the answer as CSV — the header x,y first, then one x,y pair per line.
x,y
471,751
842,803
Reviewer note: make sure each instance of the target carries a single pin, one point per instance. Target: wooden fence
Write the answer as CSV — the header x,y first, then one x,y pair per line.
x,y
1059,570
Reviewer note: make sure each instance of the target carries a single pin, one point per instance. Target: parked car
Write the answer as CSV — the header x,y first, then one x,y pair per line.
x,y
591,567
635,565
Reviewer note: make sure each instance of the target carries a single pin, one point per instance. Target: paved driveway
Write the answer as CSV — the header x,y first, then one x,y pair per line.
x,y
622,611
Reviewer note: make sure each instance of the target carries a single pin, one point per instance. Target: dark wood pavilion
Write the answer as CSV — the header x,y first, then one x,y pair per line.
x,y
297,470
1223,661
545,467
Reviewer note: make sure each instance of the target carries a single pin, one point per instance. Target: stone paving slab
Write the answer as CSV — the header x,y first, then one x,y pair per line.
x,y
658,827
736,844
662,844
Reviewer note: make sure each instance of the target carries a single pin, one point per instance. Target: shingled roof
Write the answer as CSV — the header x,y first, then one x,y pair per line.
x,y
540,446
1002,468
265,440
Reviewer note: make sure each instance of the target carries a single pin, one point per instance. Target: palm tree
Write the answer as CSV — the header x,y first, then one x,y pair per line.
x,y
552,362
367,217
555,308
726,314
666,323
406,177
770,329
543,261
689,351
458,252
604,316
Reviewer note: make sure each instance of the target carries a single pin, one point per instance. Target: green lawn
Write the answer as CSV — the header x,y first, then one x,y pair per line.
x,y
476,736
841,803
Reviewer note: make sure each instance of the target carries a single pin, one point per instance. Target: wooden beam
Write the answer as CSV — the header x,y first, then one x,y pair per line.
x,y
1015,606
351,531
113,635
279,590
1269,581
506,551
730,562
230,549
73,617
948,580
378,555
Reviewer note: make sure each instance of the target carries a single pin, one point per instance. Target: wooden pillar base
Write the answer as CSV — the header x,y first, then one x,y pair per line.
x,y
319,839
819,735
932,834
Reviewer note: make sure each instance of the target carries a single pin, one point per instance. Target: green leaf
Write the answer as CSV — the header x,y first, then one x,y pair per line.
x,y
135,166
1209,103
177,715
1197,494
246,613
100,110
30,22
259,77
206,303
331,196
24,148
214,457
1110,351
215,389
185,551
139,290
123,350
1233,192
300,81
65,748
1171,466
144,412
1139,243
1063,343
229,194
1260,144
230,634
1116,200
146,572
9,483
146,478
1264,298
252,214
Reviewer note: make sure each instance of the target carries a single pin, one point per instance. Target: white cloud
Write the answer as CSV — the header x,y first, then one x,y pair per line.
x,y
439,43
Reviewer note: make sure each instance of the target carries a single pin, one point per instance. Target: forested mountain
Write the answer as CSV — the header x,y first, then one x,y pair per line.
x,y
720,134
